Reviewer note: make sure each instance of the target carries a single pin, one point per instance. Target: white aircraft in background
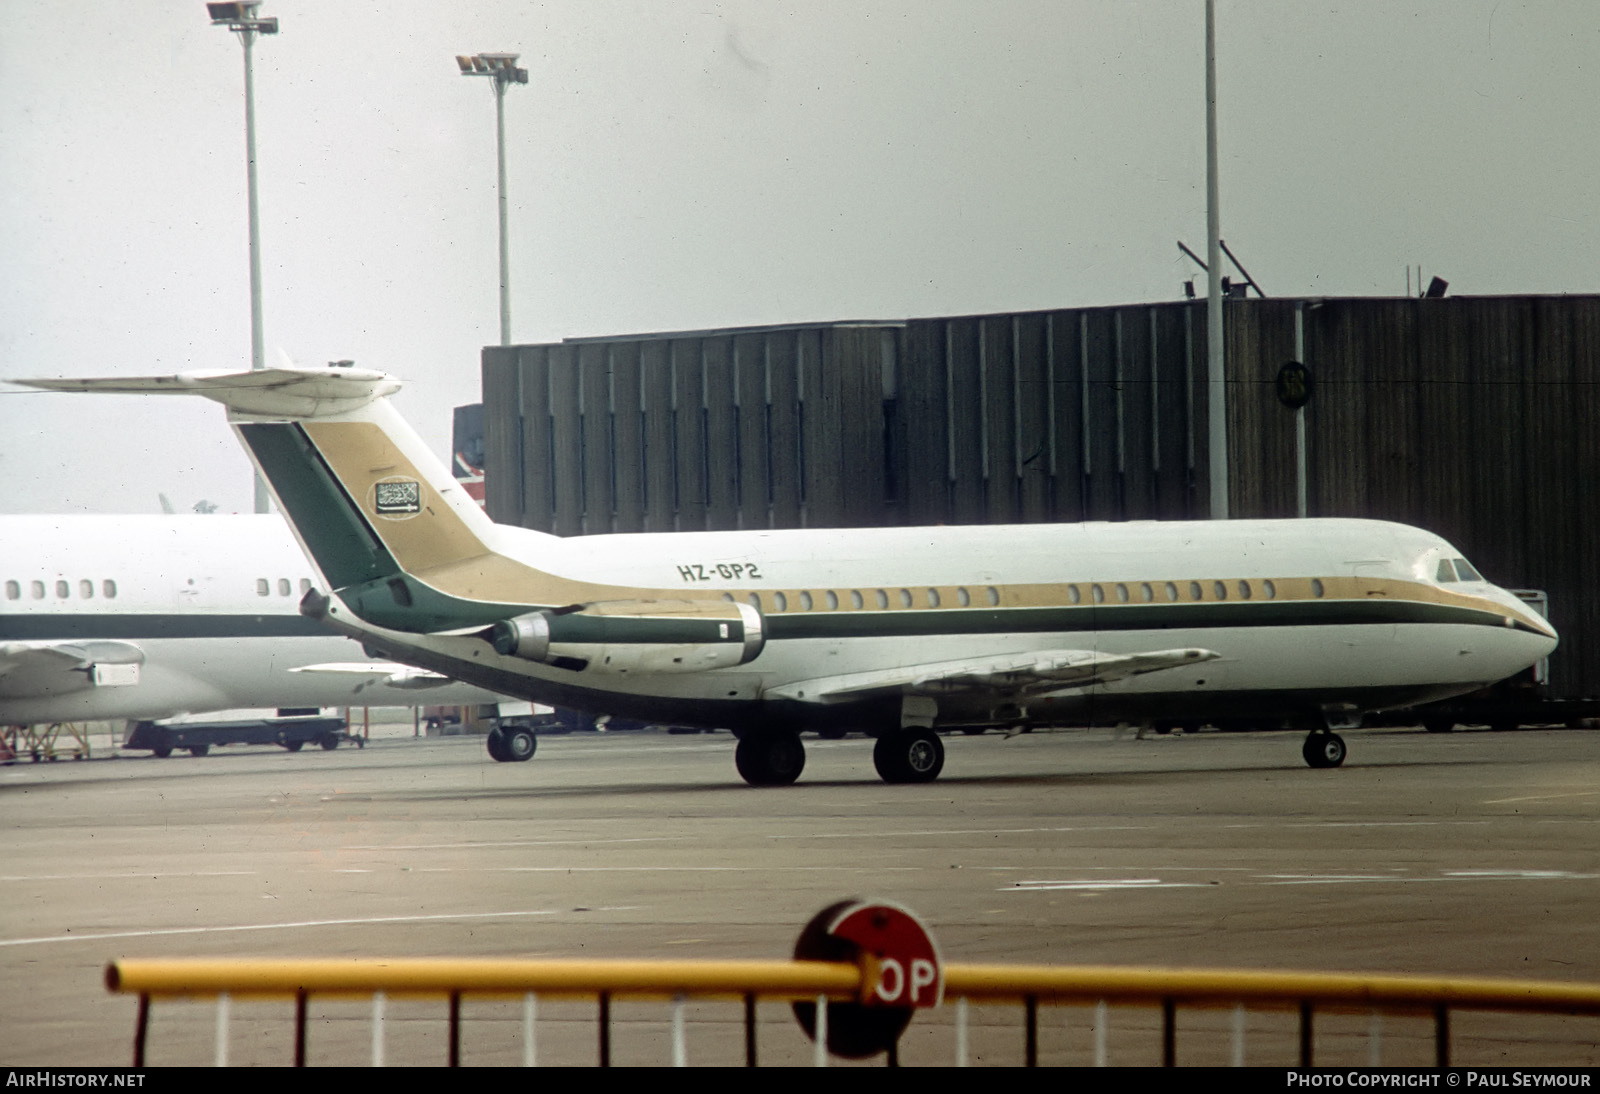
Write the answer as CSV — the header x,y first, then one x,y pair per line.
x,y
896,631
145,617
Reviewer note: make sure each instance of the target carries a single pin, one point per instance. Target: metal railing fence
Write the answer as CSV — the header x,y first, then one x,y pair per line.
x,y
747,982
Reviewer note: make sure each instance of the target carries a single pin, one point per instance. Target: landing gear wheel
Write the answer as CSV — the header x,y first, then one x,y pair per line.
x,y
909,756
497,746
199,750
518,743
1323,749
294,746
770,759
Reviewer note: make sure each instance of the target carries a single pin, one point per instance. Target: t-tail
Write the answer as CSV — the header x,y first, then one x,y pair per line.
x,y
392,531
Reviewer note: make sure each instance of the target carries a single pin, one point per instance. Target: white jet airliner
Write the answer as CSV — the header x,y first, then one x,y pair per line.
x,y
145,617
895,631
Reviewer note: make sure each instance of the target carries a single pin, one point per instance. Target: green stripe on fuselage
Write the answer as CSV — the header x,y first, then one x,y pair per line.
x,y
345,547
84,626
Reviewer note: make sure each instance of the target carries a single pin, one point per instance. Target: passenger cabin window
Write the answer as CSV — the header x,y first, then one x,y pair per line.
x,y
905,598
305,585
1195,592
1172,591
1073,594
263,587
1098,594
1146,593
962,596
833,600
1244,590
994,597
13,590
1316,587
37,589
284,587
86,588
1122,594
933,598
755,601
1219,590
805,602
883,600
1269,590
780,602
108,589
855,599
63,590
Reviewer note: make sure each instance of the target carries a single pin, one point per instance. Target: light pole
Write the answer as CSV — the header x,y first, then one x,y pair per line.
x,y
502,70
241,18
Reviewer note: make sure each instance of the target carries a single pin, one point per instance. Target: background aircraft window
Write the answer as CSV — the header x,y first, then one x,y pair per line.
x,y
933,598
1268,589
263,588
1072,594
962,598
905,598
63,590
1466,572
883,599
1447,572
1244,590
1146,593
805,602
284,587
1316,587
37,589
1219,590
13,590
994,597
780,602
855,599
86,588
1172,591
832,599
108,589
1098,594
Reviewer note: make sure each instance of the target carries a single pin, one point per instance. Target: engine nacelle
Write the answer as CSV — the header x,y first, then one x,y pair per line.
x,y
635,636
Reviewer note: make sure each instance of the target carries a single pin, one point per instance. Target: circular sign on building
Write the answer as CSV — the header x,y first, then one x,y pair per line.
x,y
902,966
1294,385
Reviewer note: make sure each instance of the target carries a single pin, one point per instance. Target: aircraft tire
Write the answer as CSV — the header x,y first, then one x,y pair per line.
x,y
497,746
770,759
294,746
519,743
1323,750
909,756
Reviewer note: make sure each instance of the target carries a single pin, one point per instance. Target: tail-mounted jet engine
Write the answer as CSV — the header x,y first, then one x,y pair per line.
x,y
629,636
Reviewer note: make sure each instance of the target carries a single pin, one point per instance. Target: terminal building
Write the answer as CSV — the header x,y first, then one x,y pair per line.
x,y
1473,417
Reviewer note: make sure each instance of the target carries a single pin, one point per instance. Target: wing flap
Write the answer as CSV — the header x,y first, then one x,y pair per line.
x,y
395,675
32,669
1011,674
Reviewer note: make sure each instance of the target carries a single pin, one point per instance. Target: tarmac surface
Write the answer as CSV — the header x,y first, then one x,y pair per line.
x,y
1473,853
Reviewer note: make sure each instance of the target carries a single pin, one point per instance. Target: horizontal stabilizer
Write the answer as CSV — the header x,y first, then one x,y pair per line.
x,y
1011,673
264,393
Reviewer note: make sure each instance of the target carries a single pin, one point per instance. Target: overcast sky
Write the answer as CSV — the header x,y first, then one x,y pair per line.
x,y
682,166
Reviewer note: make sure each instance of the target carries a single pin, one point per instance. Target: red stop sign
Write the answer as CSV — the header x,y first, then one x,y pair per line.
x,y
910,973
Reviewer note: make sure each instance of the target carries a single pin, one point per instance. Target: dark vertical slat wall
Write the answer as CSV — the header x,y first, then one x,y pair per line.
x,y
1473,417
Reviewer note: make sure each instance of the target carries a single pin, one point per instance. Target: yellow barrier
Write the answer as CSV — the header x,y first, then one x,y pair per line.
x,y
817,981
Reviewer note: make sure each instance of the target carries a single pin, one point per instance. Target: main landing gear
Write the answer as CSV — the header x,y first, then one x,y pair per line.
x,y
770,759
1323,748
913,755
512,744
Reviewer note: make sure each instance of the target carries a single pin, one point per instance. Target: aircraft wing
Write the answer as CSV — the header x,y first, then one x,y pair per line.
x,y
396,675
1030,674
29,669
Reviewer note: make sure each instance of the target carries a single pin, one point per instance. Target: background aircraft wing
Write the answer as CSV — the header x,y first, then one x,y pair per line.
x,y
29,669
1034,673
389,672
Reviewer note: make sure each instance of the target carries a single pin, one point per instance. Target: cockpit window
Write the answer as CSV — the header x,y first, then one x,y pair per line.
x,y
1447,572
1465,571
